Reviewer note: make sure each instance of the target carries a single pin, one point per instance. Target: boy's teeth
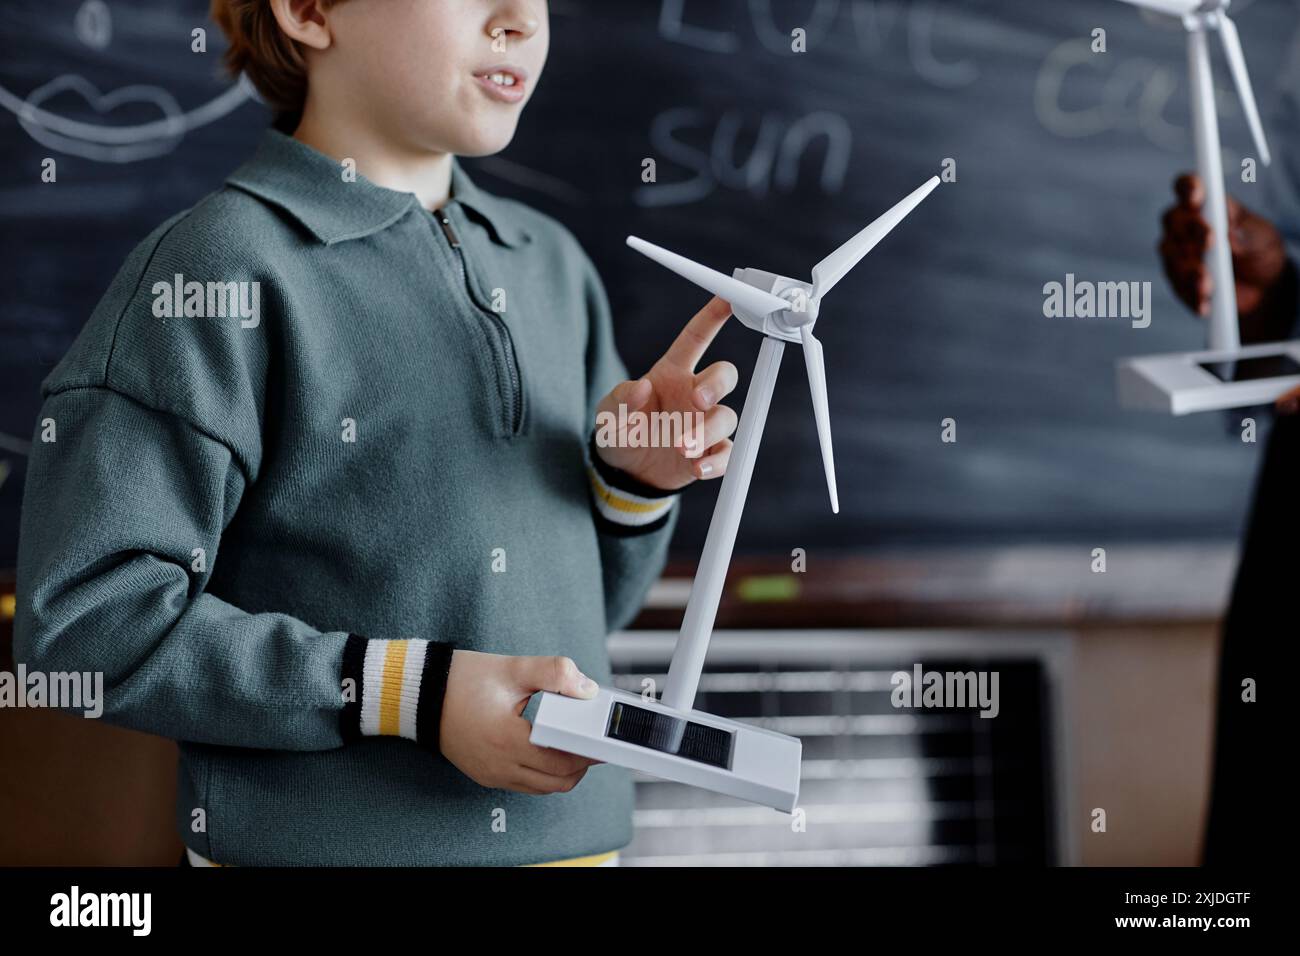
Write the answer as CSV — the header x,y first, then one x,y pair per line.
x,y
502,79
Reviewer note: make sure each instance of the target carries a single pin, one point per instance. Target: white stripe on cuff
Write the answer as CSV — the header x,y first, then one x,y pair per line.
x,y
625,508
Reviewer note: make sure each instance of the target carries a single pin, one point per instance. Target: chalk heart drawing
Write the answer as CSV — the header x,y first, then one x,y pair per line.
x,y
108,143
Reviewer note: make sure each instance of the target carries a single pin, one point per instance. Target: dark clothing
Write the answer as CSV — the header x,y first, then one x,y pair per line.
x,y
1260,620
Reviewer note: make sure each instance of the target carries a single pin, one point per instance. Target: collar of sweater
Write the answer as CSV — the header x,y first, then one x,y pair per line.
x,y
309,186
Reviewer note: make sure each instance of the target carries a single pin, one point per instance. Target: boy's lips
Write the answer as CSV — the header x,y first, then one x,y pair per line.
x,y
505,83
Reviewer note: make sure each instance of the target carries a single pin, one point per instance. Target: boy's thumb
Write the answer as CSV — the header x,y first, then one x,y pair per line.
x,y
635,392
559,675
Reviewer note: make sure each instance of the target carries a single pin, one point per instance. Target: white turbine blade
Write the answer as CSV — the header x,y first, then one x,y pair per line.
x,y
1241,77
1173,8
816,365
739,294
835,266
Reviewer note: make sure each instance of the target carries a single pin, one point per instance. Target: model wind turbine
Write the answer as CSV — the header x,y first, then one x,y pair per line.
x,y
1226,376
668,738
1199,17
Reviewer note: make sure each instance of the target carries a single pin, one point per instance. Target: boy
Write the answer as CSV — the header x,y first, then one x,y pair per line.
x,y
334,537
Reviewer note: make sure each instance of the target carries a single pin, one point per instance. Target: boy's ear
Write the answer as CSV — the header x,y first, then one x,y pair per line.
x,y
303,21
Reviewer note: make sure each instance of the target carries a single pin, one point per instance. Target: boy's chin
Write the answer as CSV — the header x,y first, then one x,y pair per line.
x,y
484,141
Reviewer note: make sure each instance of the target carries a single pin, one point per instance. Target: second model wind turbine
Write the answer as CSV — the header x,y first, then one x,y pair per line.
x,y
1199,18
1226,375
668,738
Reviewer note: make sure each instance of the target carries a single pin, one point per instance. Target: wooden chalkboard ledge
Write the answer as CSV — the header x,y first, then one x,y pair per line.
x,y
1016,587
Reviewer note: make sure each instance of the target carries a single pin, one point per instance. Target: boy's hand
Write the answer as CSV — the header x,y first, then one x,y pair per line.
x,y
483,733
1258,253
673,385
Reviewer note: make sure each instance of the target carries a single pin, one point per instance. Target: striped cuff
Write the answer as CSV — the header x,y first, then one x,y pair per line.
x,y
625,506
398,689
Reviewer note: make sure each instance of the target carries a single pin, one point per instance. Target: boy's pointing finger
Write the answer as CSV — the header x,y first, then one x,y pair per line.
x,y
689,346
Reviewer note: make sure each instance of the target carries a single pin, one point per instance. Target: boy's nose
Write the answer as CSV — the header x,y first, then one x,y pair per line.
x,y
518,18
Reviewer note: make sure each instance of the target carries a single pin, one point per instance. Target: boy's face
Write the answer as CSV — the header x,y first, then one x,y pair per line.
x,y
441,75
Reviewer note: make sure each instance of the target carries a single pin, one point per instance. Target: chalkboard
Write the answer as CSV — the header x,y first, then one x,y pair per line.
x,y
764,157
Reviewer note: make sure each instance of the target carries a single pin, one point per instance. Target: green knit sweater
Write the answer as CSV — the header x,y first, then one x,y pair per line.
x,y
253,507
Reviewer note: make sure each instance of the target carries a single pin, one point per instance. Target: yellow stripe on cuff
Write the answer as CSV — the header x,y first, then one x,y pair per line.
x,y
614,500
391,676
390,693
625,508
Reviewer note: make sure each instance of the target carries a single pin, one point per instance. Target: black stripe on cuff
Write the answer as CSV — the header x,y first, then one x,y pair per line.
x,y
617,478
354,660
433,690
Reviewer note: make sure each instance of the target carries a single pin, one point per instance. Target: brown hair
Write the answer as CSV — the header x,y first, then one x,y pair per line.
x,y
259,48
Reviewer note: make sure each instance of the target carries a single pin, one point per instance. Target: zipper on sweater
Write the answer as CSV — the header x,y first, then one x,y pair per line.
x,y
514,385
